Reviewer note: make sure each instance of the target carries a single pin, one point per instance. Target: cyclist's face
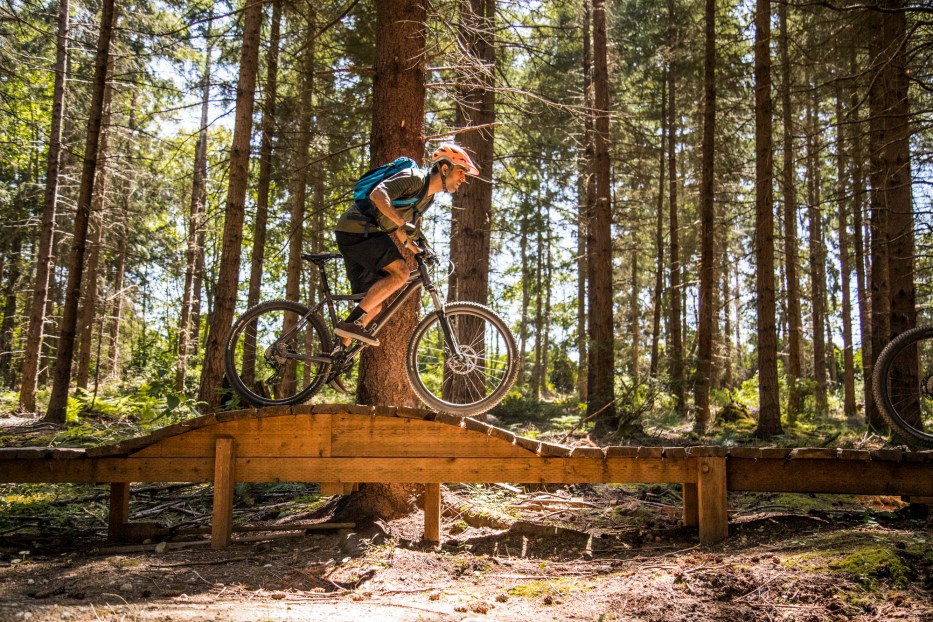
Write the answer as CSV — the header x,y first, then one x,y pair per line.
x,y
455,177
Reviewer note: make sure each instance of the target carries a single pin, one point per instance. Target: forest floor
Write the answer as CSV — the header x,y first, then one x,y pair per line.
x,y
508,552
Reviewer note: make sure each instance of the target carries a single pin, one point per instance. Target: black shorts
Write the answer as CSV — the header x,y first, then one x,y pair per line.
x,y
365,257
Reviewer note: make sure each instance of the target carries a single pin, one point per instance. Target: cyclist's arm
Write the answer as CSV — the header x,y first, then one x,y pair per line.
x,y
383,203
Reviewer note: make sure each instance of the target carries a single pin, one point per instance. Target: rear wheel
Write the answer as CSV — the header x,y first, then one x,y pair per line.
x,y
267,359
902,382
476,379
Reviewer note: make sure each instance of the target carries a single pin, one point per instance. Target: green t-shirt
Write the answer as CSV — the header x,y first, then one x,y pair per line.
x,y
405,184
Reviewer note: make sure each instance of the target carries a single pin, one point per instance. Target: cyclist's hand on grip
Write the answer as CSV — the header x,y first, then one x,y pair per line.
x,y
415,246
408,228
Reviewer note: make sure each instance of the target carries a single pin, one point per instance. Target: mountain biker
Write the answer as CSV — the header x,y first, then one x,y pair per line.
x,y
373,261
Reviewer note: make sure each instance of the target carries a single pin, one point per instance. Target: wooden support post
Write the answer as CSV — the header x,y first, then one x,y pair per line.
x,y
713,506
119,514
432,512
329,489
691,505
348,487
222,519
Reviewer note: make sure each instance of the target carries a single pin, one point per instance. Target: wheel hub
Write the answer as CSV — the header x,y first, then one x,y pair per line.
x,y
465,363
928,386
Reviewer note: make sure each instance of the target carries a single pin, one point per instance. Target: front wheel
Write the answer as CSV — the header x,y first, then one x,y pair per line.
x,y
902,382
472,381
276,354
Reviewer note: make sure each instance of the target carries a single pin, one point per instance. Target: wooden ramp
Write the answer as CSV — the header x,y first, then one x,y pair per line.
x,y
340,446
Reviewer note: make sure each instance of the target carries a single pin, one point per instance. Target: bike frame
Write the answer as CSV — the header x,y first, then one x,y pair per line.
x,y
420,276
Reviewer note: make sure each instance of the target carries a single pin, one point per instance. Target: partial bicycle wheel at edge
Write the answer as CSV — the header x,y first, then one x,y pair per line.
x,y
902,383
473,382
266,355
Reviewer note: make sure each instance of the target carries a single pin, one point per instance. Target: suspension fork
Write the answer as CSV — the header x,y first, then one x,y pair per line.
x,y
439,308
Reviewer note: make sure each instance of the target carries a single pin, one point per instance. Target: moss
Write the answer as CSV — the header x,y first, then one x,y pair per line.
x,y
870,564
538,588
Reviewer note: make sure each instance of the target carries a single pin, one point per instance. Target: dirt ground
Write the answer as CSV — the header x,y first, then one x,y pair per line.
x,y
574,553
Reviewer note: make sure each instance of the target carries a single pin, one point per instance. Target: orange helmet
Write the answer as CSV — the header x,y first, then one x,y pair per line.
x,y
454,154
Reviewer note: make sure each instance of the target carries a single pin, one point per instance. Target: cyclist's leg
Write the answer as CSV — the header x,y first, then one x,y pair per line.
x,y
396,273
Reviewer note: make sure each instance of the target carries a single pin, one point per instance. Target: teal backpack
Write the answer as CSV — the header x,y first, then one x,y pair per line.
x,y
365,184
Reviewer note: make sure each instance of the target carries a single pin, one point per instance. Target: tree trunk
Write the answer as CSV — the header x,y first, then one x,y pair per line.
x,y
707,229
62,376
196,217
263,186
848,357
634,311
299,181
44,259
817,264
398,126
601,394
471,218
88,307
676,346
769,415
225,292
587,197
791,253
659,242
891,110
858,193
14,271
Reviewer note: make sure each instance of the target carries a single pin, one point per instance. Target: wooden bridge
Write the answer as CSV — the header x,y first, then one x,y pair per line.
x,y
340,446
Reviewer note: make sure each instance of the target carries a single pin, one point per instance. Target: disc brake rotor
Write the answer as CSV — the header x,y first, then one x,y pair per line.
x,y
464,364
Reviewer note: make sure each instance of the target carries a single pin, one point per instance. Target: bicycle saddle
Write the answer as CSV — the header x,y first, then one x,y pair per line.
x,y
321,257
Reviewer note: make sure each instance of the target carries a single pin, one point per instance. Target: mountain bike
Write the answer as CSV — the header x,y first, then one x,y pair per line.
x,y
902,383
461,358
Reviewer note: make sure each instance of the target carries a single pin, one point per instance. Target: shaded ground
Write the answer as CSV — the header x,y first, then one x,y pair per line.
x,y
789,557
510,552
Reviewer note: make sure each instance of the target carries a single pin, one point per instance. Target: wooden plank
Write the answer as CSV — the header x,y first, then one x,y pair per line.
x,y
652,452
224,478
329,489
712,496
432,512
691,505
430,470
104,470
282,435
867,477
348,487
118,515
398,437
674,453
853,454
812,453
530,468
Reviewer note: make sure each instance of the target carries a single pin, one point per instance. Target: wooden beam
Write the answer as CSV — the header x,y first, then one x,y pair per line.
x,y
432,512
224,478
713,506
861,477
691,505
119,514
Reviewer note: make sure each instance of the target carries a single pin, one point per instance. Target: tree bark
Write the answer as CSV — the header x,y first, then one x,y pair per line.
x,y
62,376
299,179
657,299
587,193
471,219
44,259
88,307
707,229
791,251
848,357
13,272
187,329
260,223
677,372
817,262
891,145
601,393
226,289
769,414
398,129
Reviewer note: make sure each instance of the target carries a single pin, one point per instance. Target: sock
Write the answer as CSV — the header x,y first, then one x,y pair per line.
x,y
356,314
